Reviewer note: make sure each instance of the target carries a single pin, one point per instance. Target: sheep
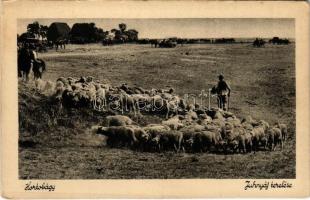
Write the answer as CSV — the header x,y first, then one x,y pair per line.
x,y
235,121
76,86
118,120
171,139
204,121
244,140
215,113
283,128
141,101
59,89
141,135
274,136
258,134
139,90
174,123
63,80
189,135
227,114
153,129
166,96
91,92
193,128
206,140
46,87
248,126
100,101
190,116
129,103
106,86
81,80
39,84
250,120
118,135
89,79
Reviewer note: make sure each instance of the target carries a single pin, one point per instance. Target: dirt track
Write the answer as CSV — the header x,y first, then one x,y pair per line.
x,y
263,84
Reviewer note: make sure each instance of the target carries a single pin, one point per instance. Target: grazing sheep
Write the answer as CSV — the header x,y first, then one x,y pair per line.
x,y
283,128
171,140
189,135
59,89
100,101
118,120
76,86
244,139
206,140
190,116
174,123
171,106
227,114
156,128
129,103
218,115
274,136
119,135
63,80
235,121
193,128
90,79
248,126
141,135
91,92
46,87
258,134
249,120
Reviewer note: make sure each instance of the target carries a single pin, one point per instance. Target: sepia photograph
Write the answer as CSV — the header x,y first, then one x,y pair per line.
x,y
156,98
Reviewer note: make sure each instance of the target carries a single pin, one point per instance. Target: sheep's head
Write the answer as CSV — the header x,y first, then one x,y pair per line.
x,y
233,144
94,129
189,143
155,140
145,136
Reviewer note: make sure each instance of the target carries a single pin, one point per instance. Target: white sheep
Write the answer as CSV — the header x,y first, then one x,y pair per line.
x,y
118,120
174,123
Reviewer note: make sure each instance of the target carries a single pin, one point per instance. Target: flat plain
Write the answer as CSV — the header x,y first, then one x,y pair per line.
x,y
59,145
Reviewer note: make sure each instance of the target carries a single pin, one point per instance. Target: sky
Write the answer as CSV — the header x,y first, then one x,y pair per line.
x,y
188,27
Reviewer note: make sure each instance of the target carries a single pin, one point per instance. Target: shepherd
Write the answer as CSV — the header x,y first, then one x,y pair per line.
x,y
223,93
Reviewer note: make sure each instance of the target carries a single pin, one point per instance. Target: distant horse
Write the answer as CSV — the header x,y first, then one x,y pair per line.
x,y
60,43
258,43
107,42
154,42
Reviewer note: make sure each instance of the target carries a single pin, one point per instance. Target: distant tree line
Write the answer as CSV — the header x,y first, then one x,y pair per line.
x,y
59,33
80,33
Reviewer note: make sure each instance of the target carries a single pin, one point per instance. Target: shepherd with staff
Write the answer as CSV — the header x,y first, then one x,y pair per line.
x,y
223,93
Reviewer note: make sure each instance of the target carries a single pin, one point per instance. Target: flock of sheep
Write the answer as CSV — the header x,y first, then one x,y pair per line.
x,y
187,127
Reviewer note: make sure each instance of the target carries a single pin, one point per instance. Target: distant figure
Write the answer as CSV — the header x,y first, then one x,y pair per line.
x,y
223,92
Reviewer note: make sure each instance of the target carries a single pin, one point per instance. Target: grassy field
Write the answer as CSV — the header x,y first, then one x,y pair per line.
x,y
57,144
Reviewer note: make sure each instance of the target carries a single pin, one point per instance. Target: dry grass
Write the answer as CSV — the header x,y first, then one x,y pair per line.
x,y
57,144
